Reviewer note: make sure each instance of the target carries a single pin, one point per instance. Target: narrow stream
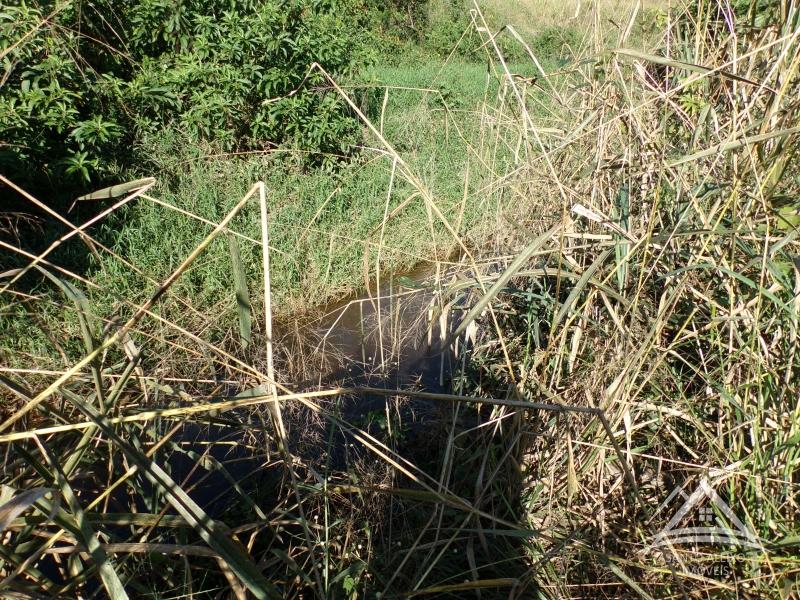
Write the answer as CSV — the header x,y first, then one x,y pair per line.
x,y
389,338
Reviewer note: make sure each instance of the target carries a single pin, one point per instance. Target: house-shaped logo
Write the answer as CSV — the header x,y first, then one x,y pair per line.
x,y
718,523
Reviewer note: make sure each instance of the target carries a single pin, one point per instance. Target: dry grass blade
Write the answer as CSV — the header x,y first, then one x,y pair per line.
x,y
733,145
677,64
467,586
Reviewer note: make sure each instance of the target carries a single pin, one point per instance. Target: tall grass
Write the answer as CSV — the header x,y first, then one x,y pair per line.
x,y
671,305
620,319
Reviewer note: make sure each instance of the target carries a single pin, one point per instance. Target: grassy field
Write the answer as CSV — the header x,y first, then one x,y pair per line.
x,y
614,247
324,224
532,16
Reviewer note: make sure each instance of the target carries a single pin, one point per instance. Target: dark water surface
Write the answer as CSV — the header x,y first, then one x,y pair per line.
x,y
387,338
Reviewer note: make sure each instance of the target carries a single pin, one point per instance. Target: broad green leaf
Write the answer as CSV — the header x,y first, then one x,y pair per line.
x,y
88,536
118,190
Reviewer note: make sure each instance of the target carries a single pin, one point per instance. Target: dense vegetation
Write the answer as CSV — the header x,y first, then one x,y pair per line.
x,y
605,205
85,81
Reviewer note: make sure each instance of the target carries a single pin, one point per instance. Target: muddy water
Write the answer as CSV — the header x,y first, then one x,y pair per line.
x,y
388,337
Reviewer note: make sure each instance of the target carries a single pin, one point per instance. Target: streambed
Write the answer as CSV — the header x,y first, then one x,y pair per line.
x,y
388,337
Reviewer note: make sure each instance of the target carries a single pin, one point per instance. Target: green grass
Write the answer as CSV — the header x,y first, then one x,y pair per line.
x,y
320,221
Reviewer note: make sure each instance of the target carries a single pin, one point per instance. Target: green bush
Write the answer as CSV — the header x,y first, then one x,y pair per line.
x,y
72,104
450,30
556,42
392,21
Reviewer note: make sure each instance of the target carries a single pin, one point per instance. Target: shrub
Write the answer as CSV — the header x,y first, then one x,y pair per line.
x,y
450,30
72,103
556,42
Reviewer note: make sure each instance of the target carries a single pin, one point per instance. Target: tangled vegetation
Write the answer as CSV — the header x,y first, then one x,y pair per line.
x,y
85,81
599,356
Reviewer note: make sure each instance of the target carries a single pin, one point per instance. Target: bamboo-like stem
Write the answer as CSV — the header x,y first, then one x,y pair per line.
x,y
378,263
274,409
181,412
